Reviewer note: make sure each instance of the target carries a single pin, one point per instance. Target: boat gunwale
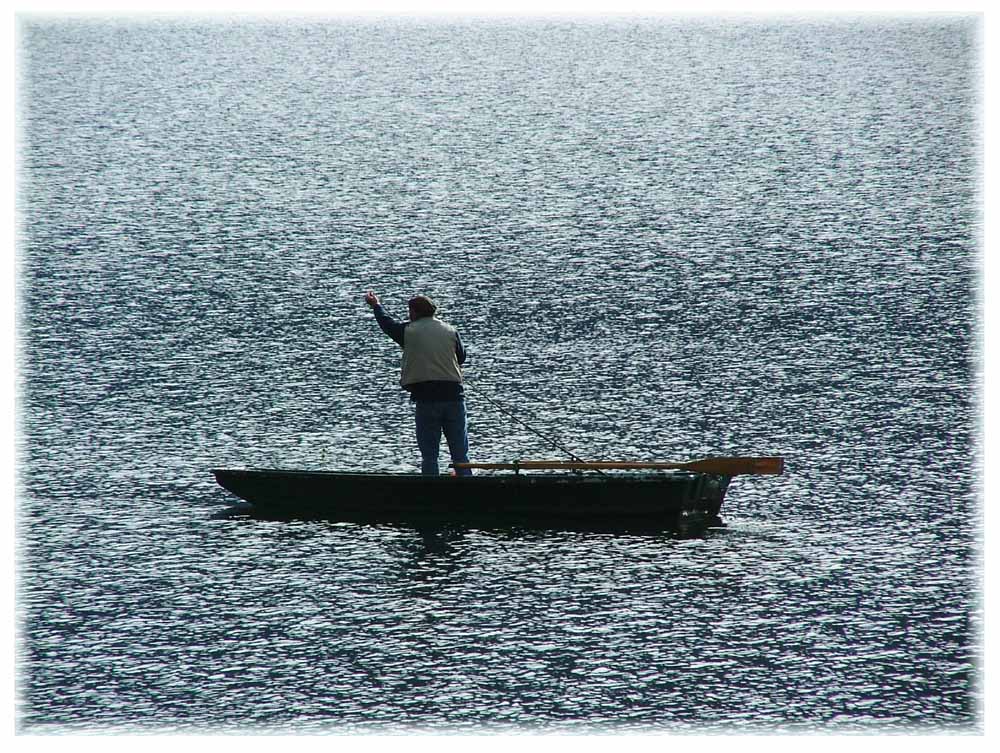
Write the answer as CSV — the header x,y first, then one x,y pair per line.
x,y
604,477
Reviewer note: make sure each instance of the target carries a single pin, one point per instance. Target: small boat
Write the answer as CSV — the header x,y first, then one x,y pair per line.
x,y
531,492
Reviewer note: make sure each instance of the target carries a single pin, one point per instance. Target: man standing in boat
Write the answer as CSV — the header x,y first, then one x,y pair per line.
x,y
431,372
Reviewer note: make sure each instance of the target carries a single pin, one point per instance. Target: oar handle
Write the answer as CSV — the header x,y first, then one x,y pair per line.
x,y
722,466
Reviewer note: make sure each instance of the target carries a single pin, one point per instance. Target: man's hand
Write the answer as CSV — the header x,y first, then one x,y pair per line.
x,y
371,299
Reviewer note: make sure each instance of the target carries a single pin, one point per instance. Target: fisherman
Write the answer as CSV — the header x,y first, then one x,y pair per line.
x,y
431,372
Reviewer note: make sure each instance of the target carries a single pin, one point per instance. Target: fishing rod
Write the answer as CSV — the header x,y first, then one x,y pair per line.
x,y
524,423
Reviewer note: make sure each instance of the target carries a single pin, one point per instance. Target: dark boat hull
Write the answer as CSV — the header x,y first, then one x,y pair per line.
x,y
530,498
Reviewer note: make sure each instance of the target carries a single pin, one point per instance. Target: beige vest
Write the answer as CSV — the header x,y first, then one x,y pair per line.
x,y
429,352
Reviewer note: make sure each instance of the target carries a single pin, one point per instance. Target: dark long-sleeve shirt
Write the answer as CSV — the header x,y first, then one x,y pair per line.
x,y
422,391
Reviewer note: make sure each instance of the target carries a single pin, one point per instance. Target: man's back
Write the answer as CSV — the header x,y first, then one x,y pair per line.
x,y
429,353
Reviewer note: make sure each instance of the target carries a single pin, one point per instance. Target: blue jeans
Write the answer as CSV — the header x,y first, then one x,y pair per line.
x,y
433,417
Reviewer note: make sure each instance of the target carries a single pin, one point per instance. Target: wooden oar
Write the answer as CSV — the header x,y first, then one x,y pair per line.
x,y
716,466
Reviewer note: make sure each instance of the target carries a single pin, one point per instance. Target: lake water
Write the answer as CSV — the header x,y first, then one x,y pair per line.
x,y
660,239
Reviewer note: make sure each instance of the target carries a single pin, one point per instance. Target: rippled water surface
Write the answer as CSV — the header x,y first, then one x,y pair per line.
x,y
659,240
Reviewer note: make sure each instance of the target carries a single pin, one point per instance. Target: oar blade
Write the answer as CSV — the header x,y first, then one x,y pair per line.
x,y
738,466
